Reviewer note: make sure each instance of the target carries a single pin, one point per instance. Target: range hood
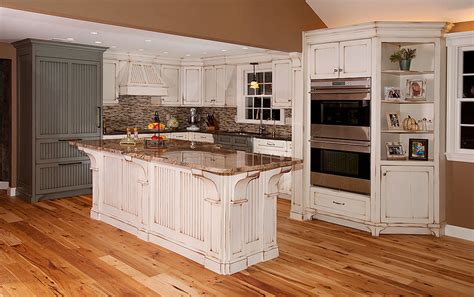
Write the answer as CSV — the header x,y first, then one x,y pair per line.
x,y
142,79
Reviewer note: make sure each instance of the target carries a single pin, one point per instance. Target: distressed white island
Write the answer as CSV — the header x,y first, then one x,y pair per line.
x,y
214,206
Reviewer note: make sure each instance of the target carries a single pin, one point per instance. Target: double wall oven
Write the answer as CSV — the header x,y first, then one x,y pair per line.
x,y
340,134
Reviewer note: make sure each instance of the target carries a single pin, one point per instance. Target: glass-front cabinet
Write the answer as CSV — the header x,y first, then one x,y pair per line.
x,y
460,128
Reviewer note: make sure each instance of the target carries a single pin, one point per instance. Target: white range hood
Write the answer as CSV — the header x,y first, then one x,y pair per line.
x,y
141,79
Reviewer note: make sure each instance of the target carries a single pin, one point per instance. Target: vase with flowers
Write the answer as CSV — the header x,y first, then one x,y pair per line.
x,y
403,57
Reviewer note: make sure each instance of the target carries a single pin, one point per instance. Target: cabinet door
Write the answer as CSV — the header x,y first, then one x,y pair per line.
x,y
281,83
324,60
355,58
109,82
210,85
85,102
231,85
407,194
192,86
52,105
221,86
171,78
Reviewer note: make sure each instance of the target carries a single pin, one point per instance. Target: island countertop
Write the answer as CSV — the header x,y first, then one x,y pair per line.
x,y
203,156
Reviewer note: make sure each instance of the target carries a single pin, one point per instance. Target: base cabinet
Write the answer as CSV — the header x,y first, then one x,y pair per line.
x,y
407,194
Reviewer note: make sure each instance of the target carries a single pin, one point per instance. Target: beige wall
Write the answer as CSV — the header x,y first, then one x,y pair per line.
x,y
7,51
272,24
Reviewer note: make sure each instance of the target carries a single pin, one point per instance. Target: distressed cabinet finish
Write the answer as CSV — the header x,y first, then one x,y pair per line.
x,y
171,78
59,98
407,194
341,59
282,81
192,86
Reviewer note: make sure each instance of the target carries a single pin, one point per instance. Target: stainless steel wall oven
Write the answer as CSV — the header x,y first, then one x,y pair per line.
x,y
340,134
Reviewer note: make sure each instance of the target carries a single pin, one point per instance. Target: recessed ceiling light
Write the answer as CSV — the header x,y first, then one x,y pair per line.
x,y
204,53
140,49
188,55
224,50
147,40
245,47
94,33
98,42
165,53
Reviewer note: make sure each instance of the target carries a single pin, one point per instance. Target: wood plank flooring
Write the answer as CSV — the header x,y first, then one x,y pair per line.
x,y
53,248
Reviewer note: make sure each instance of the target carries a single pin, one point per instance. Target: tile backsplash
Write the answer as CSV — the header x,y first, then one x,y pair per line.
x,y
138,111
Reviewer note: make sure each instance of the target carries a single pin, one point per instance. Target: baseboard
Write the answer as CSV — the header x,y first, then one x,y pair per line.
x,y
4,185
459,232
11,192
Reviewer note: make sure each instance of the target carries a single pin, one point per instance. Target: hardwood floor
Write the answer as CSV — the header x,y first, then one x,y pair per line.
x,y
54,248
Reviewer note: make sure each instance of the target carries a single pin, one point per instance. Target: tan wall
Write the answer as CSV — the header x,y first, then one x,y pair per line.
x,y
272,24
460,178
7,51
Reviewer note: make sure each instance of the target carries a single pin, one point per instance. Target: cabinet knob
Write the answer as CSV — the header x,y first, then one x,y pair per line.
x,y
385,174
336,70
340,69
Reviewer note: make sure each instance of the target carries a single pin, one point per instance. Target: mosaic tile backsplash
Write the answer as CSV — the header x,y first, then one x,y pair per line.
x,y
138,111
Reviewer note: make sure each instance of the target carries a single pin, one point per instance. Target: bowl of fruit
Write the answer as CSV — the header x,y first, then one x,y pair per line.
x,y
156,141
156,126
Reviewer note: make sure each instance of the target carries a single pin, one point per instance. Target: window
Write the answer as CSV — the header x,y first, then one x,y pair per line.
x,y
460,142
257,103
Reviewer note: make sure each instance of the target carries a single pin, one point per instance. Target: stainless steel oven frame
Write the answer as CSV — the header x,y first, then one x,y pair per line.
x,y
350,184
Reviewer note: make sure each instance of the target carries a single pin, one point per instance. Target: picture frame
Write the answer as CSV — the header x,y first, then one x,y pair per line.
x,y
418,149
395,151
392,94
416,89
394,121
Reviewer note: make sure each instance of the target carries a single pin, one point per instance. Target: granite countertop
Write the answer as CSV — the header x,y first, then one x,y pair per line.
x,y
202,156
234,133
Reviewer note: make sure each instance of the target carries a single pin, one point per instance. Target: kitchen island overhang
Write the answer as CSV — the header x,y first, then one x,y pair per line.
x,y
212,205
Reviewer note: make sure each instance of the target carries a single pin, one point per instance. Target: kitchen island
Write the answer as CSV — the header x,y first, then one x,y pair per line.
x,y
212,205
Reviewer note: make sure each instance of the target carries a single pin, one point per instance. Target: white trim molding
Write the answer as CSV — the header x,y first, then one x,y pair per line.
x,y
11,192
3,185
459,232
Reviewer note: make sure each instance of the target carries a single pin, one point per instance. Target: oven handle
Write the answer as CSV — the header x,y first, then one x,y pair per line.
x,y
342,145
342,142
364,91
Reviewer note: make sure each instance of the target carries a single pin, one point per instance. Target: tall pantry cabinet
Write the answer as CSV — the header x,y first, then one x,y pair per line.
x,y
59,99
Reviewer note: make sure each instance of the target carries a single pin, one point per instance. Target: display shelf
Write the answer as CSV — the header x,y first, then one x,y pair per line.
x,y
404,72
394,131
407,102
407,162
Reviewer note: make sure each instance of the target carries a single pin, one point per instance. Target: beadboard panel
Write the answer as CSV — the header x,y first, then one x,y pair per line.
x,y
67,176
56,150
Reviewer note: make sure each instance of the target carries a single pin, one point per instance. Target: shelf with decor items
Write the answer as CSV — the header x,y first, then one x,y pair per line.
x,y
410,152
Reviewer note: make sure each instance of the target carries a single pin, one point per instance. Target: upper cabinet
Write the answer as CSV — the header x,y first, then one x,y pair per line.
x,y
109,78
341,59
219,85
171,77
192,86
282,81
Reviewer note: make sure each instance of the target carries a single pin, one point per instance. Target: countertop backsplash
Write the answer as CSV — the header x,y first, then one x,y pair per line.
x,y
138,111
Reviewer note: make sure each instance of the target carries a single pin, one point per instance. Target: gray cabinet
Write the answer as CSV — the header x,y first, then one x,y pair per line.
x,y
59,99
234,142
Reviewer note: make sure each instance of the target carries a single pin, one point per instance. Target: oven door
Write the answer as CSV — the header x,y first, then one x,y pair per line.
x,y
341,164
343,113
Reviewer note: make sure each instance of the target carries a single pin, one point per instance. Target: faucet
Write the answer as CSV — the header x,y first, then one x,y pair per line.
x,y
261,128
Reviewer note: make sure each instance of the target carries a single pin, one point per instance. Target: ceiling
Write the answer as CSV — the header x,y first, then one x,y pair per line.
x,y
336,13
16,25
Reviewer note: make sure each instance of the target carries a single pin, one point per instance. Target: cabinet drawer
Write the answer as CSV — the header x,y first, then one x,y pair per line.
x,y
202,137
224,139
241,141
58,150
342,203
179,135
270,144
65,176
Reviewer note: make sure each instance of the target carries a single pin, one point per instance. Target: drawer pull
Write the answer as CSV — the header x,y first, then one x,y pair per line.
x,y
70,139
338,203
269,143
69,164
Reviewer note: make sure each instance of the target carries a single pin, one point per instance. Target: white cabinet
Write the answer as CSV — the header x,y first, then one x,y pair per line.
x,y
324,60
341,59
171,77
179,135
109,78
282,81
201,137
407,194
355,58
219,85
348,205
192,86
